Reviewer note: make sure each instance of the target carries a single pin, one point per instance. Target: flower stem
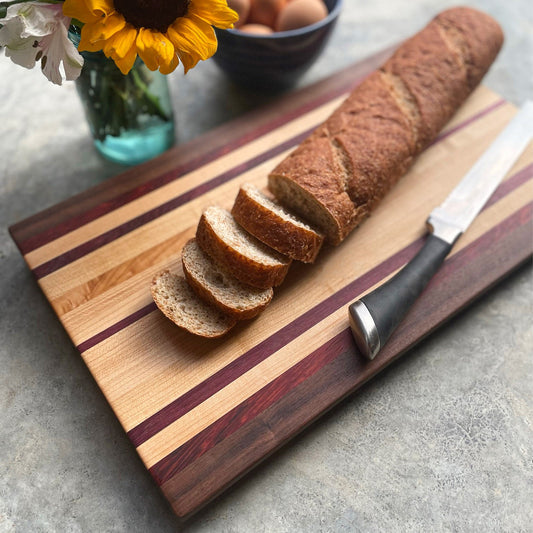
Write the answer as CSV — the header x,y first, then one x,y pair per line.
x,y
151,100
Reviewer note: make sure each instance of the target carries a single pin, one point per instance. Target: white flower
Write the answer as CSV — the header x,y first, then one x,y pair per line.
x,y
35,31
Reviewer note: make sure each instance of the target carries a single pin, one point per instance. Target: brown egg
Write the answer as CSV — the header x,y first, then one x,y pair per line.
x,y
242,7
299,13
260,29
265,11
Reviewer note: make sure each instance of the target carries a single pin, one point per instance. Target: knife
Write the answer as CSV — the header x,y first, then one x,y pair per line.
x,y
376,315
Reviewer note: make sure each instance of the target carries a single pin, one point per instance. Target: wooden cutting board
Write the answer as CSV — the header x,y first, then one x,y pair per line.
x,y
203,412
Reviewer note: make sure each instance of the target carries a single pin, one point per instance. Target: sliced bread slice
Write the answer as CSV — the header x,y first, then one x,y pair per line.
x,y
215,284
311,181
247,258
275,226
178,302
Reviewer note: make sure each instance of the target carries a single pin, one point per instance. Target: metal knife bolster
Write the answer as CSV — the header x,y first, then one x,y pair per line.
x,y
376,315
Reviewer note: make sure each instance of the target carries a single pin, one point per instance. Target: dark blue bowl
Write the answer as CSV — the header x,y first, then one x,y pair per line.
x,y
277,60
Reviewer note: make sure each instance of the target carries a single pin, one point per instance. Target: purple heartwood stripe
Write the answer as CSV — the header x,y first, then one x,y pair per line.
x,y
276,341
36,241
119,231
115,328
243,413
83,249
467,122
268,346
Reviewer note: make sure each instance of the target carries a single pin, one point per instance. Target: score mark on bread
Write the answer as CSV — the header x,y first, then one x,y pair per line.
x,y
338,175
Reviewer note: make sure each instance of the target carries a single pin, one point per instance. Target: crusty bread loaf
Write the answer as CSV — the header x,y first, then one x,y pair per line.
x,y
247,258
178,302
216,285
336,177
275,226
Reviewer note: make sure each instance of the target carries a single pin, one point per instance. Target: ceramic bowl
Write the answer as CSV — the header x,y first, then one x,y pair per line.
x,y
277,60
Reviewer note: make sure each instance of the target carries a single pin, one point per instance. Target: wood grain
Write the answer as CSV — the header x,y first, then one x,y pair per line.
x,y
202,412
341,369
51,223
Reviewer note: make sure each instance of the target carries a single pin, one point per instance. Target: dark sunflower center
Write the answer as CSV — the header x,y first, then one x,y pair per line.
x,y
154,14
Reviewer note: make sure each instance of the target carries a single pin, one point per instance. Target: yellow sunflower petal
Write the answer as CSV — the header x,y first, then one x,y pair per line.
x,y
87,44
87,10
214,12
171,67
126,62
105,28
189,61
155,49
106,7
79,10
193,36
120,44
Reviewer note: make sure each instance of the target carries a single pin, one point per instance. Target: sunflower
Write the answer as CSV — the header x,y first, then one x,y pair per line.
x,y
161,32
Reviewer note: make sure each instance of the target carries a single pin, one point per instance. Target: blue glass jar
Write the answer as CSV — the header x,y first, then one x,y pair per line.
x,y
130,116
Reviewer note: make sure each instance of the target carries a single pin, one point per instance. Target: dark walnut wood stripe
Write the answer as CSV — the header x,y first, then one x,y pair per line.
x,y
134,183
119,231
278,339
267,347
462,279
123,229
246,411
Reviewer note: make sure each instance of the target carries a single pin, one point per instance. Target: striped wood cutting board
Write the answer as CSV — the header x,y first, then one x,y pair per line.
x,y
201,412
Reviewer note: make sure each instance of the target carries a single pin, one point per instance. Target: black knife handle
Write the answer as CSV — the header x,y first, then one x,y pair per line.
x,y
374,317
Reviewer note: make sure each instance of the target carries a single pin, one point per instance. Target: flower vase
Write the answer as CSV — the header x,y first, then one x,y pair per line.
x,y
130,116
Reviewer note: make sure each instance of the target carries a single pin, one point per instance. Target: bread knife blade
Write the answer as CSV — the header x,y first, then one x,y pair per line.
x,y
375,316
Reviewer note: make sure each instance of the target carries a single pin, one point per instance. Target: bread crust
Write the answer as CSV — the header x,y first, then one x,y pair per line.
x,y
270,227
247,304
314,173
244,268
347,165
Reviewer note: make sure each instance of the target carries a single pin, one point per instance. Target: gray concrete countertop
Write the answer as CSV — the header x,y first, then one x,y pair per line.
x,y
441,441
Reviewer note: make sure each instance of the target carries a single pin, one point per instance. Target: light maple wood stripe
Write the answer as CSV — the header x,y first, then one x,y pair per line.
x,y
220,403
37,258
372,231
123,281
181,185
131,392
144,265
195,472
131,245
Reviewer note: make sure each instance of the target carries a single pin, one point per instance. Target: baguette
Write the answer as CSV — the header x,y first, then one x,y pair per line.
x,y
338,175
275,226
247,258
214,284
178,302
